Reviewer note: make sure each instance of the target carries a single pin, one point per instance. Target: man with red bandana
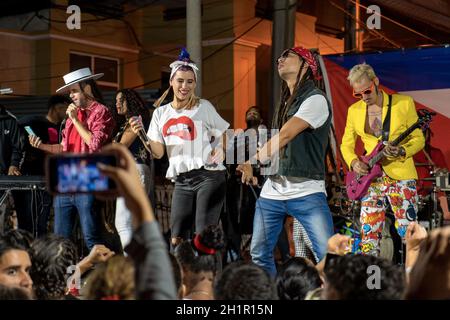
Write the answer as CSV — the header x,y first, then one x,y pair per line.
x,y
298,186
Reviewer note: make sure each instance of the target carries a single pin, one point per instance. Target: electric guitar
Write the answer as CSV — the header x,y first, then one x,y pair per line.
x,y
356,184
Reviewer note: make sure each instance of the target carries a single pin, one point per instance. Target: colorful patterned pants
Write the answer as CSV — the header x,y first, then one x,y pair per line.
x,y
402,197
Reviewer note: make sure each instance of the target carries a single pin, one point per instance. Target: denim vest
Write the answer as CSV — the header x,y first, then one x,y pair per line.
x,y
304,156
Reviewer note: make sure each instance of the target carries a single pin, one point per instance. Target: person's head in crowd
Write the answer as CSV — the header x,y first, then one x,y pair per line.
x,y
13,293
430,275
200,258
240,281
56,108
365,83
178,274
183,81
15,264
52,256
296,278
208,245
82,88
203,252
130,104
296,67
19,237
362,277
112,280
253,117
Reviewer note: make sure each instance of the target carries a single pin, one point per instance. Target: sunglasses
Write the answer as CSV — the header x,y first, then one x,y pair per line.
x,y
366,91
284,55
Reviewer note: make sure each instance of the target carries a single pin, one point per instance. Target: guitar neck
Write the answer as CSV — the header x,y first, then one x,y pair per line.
x,y
406,133
399,139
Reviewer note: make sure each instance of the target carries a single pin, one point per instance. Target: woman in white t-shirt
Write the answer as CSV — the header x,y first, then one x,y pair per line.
x,y
190,130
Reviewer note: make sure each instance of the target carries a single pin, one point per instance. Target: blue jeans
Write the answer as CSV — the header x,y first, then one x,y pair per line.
x,y
65,207
313,213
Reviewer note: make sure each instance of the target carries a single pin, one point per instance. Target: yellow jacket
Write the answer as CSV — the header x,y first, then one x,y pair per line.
x,y
403,115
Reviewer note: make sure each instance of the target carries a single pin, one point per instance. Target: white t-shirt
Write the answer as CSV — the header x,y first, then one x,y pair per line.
x,y
187,136
313,110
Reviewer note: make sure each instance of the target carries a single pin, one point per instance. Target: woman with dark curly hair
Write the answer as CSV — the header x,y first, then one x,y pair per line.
x,y
51,257
130,104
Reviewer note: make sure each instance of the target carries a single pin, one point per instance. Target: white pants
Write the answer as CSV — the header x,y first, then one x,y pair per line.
x,y
123,215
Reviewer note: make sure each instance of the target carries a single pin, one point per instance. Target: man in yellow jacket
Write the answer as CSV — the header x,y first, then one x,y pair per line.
x,y
398,183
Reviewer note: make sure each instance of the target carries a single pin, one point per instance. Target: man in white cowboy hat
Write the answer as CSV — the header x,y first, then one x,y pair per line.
x,y
89,126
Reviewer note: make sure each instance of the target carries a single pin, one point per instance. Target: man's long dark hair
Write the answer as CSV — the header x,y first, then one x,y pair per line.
x,y
286,99
96,93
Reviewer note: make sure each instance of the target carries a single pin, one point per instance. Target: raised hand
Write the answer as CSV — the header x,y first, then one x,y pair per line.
x,y
72,111
339,244
415,235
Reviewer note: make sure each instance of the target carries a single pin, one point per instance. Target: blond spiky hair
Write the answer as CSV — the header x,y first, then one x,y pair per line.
x,y
360,70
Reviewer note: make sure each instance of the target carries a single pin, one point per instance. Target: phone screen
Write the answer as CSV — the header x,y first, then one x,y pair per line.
x,y
29,130
79,173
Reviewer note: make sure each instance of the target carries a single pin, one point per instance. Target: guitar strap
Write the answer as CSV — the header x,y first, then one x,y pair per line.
x,y
387,121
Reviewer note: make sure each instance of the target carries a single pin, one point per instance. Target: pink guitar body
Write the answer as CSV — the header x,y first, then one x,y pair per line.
x,y
357,185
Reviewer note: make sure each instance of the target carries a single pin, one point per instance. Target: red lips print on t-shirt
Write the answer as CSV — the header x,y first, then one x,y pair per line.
x,y
182,127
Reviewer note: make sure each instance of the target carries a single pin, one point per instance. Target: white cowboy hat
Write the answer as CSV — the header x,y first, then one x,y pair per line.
x,y
78,76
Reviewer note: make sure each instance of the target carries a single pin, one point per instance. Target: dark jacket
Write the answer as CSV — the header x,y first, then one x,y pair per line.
x,y
10,151
304,156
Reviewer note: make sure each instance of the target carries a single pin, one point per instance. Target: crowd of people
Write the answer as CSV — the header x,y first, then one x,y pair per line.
x,y
195,263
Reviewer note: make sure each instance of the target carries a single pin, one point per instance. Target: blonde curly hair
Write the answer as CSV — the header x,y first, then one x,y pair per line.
x,y
113,280
360,70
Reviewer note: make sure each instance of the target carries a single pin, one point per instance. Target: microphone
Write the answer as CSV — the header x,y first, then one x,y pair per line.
x,y
143,136
144,139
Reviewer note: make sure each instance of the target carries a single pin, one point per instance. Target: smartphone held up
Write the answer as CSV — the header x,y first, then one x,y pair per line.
x,y
78,173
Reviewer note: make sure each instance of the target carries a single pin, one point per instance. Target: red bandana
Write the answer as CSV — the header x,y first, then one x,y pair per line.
x,y
309,58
